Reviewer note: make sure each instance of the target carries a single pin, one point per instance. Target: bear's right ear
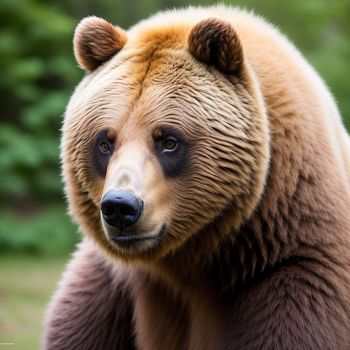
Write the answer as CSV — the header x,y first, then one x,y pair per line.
x,y
215,42
95,41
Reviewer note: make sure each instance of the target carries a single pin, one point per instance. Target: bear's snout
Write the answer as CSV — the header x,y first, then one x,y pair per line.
x,y
121,208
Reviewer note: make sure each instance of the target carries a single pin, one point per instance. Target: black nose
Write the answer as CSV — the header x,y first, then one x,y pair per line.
x,y
121,208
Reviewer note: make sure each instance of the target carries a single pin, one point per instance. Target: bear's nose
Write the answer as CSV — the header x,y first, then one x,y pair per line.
x,y
121,208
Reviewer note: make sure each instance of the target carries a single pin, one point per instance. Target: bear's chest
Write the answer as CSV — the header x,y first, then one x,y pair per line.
x,y
169,319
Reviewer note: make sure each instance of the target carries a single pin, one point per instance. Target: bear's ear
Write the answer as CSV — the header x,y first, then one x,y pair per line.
x,y
215,42
96,41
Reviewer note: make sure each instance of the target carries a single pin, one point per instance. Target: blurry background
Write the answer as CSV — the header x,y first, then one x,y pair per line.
x,y
37,76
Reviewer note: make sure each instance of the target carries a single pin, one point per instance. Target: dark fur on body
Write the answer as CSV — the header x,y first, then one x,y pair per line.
x,y
276,278
98,302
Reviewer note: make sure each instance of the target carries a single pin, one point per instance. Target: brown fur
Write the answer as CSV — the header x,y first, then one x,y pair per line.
x,y
102,308
96,41
256,253
214,42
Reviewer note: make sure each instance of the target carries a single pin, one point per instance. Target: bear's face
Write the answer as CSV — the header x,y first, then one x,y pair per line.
x,y
163,137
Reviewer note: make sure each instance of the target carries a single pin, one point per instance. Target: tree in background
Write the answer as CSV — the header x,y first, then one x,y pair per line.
x,y
38,74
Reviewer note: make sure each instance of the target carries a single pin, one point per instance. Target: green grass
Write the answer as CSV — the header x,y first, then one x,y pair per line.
x,y
26,285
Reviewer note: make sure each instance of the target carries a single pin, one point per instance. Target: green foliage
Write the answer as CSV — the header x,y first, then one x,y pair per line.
x,y
47,232
38,74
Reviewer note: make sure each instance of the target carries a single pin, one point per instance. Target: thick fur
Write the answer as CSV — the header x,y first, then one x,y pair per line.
x,y
256,253
103,307
96,41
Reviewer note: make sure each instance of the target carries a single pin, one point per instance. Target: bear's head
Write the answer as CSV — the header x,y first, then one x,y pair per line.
x,y
165,135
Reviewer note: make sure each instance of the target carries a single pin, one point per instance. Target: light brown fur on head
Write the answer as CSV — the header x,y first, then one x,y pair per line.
x,y
227,147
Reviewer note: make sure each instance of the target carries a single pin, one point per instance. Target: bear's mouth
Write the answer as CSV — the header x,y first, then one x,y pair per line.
x,y
133,241
123,239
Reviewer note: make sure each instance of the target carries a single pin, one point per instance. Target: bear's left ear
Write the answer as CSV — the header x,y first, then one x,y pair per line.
x,y
96,41
215,42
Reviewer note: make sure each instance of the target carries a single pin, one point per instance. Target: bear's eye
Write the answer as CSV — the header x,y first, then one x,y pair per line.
x,y
104,147
102,150
172,150
170,144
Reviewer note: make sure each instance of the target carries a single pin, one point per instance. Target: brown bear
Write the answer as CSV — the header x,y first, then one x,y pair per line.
x,y
207,166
